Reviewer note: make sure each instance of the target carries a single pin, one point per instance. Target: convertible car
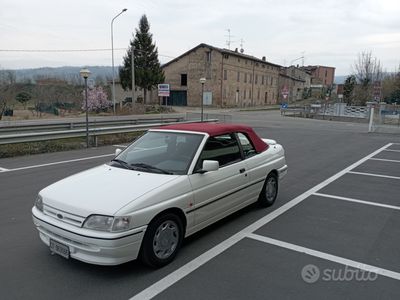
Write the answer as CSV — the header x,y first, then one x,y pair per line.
x,y
168,184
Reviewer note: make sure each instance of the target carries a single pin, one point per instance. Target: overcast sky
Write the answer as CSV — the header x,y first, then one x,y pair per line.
x,y
329,32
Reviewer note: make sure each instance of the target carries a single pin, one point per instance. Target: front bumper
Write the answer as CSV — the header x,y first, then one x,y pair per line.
x,y
99,248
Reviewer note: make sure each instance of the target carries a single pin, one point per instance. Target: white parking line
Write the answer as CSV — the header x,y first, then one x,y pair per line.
x,y
326,256
3,169
392,150
383,159
374,175
191,266
120,146
57,163
358,201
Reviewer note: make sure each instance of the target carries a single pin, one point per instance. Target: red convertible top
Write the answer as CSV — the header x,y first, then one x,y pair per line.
x,y
214,129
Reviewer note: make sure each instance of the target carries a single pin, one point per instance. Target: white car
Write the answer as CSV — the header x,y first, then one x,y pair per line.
x,y
168,184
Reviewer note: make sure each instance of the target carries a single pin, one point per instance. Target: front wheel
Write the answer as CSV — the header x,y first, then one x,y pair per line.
x,y
162,240
269,191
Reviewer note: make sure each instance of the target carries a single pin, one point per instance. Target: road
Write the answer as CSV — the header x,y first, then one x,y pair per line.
x,y
306,226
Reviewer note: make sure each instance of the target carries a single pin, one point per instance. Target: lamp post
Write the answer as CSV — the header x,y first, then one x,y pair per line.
x,y
112,57
85,73
202,81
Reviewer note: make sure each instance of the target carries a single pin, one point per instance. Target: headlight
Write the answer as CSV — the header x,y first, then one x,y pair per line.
x,y
107,223
39,203
121,223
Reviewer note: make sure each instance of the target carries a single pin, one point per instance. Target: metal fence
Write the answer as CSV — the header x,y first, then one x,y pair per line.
x,y
224,118
24,137
386,119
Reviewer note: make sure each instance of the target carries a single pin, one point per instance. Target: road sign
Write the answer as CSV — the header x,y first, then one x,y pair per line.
x,y
163,90
285,92
377,90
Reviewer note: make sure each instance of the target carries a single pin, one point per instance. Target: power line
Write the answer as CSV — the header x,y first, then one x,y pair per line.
x,y
68,50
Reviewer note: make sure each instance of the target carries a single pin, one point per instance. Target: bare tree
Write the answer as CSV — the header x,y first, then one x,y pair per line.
x,y
368,71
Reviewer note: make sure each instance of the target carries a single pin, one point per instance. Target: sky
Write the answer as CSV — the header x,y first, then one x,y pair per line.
x,y
325,32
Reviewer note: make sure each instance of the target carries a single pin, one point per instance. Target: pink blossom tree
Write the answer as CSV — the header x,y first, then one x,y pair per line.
x,y
97,99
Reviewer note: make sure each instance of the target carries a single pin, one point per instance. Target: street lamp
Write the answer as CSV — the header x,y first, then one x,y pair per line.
x,y
112,57
85,73
202,81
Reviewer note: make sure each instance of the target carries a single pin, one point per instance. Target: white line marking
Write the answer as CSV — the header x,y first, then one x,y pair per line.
x,y
3,169
383,159
392,150
120,146
57,163
326,256
358,201
191,266
374,175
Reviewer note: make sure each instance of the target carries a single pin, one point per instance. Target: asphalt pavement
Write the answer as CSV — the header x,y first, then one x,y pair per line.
x,y
328,217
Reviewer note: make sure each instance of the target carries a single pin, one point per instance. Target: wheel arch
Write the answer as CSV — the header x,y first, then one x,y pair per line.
x,y
176,211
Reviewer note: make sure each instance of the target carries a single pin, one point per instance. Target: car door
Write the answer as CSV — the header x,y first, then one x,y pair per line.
x,y
218,193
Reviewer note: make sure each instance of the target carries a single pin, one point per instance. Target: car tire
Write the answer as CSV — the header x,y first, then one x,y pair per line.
x,y
269,191
162,240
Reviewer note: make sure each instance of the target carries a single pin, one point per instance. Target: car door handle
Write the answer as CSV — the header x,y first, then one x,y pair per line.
x,y
242,170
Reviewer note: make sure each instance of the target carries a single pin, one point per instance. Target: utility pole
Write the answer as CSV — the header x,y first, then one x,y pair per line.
x,y
133,75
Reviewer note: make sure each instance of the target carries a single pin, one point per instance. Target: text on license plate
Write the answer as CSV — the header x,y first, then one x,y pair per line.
x,y
59,248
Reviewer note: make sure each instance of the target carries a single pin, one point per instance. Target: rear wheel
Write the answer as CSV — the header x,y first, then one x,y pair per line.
x,y
269,191
162,240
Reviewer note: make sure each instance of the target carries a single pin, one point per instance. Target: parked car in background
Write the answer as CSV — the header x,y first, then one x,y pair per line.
x,y
168,184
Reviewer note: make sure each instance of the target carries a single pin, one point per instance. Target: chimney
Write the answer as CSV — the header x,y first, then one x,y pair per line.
x,y
236,50
263,58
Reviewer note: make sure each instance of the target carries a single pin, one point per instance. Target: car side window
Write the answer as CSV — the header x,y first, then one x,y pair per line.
x,y
248,148
223,148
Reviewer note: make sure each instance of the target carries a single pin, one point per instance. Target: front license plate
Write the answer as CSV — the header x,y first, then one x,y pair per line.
x,y
59,248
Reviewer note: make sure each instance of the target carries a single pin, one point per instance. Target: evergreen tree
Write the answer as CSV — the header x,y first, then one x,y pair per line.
x,y
148,72
348,89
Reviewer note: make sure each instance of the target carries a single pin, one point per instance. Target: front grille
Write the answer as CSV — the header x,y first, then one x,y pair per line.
x,y
63,216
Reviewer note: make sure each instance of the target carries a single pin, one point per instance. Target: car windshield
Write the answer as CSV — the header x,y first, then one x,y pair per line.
x,y
160,152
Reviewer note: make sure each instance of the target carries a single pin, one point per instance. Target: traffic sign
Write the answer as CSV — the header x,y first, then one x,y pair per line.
x,y
285,92
163,90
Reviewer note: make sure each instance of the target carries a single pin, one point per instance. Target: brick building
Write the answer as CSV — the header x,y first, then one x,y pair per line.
x,y
321,75
296,81
232,78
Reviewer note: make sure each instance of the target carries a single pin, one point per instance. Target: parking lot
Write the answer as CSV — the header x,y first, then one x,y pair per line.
x,y
334,231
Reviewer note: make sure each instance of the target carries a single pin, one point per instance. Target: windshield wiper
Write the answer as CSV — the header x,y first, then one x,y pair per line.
x,y
149,167
122,163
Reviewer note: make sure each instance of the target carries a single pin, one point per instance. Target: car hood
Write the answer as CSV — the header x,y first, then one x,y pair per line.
x,y
101,190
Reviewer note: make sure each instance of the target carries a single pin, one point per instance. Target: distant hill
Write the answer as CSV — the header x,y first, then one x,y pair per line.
x,y
70,74
340,79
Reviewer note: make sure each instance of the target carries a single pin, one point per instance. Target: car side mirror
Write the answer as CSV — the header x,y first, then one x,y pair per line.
x,y
117,151
209,165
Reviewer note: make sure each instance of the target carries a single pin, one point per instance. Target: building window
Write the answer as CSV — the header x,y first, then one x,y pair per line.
x,y
272,81
208,56
244,94
238,77
262,79
256,79
245,77
225,74
249,94
226,56
326,73
183,79
251,78
245,62
258,94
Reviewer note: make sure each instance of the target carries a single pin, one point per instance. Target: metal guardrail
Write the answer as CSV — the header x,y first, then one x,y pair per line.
x,y
82,124
93,132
